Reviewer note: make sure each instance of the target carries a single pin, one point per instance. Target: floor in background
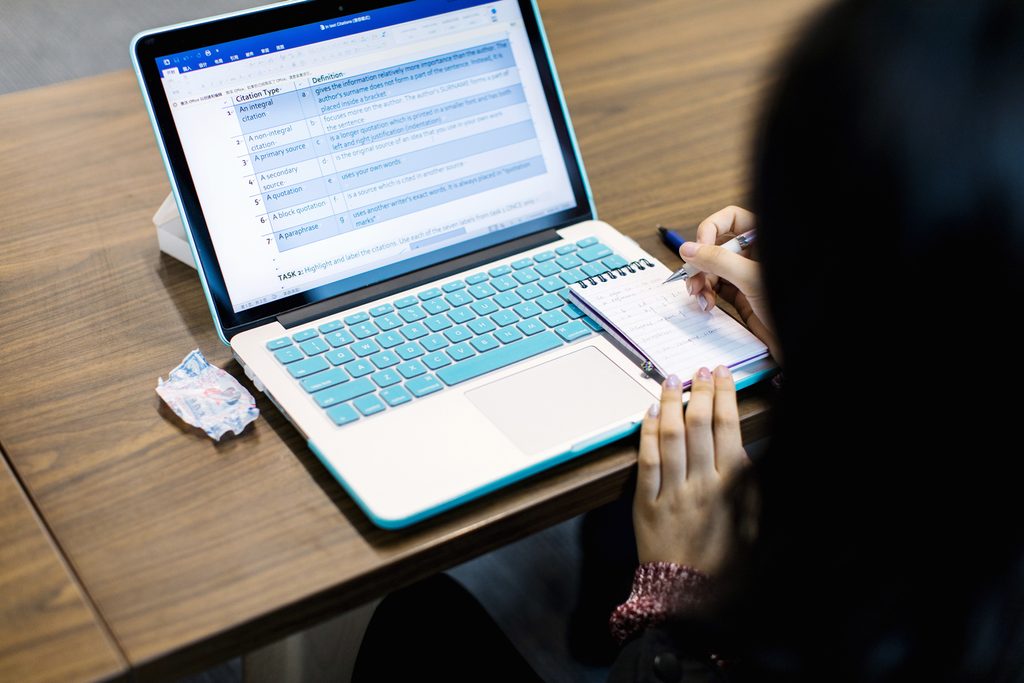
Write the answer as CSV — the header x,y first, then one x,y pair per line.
x,y
529,588
46,41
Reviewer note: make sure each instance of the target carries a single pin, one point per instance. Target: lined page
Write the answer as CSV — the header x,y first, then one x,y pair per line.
x,y
666,325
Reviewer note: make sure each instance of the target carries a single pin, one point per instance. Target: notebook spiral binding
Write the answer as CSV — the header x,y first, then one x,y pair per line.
x,y
632,267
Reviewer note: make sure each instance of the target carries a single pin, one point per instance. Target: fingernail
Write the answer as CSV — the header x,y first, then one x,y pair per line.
x,y
654,410
689,287
672,382
722,371
703,302
704,373
689,249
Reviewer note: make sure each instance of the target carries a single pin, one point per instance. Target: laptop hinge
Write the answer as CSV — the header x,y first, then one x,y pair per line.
x,y
320,309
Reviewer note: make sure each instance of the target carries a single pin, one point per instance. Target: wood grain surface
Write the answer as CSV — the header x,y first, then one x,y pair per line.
x,y
194,551
48,629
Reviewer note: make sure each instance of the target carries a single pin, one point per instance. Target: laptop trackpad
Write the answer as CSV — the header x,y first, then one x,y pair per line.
x,y
561,400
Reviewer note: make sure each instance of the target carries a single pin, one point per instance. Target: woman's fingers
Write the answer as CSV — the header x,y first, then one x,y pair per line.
x,y
719,227
729,453
648,477
713,259
700,287
712,281
756,325
706,439
672,435
727,292
700,440
696,283
707,299
731,219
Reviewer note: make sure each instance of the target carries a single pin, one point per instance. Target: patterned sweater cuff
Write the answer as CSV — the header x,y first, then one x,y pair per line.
x,y
660,590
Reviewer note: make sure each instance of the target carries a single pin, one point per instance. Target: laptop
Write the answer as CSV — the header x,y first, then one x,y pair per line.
x,y
385,203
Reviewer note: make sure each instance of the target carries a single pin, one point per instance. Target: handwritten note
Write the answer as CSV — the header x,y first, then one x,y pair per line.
x,y
663,324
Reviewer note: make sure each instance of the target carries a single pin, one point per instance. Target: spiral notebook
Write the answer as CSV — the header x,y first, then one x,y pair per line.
x,y
662,324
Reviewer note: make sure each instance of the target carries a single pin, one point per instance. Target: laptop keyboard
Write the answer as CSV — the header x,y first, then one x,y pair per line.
x,y
394,353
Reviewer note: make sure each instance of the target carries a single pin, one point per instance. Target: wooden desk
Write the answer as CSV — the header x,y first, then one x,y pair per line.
x,y
48,629
195,551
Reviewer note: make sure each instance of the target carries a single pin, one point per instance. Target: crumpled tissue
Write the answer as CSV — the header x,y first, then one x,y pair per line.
x,y
207,397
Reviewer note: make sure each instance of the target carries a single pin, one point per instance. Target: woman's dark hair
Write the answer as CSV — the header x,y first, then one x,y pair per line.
x,y
889,184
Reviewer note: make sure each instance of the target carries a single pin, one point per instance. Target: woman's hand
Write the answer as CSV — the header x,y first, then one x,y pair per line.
x,y
680,513
733,277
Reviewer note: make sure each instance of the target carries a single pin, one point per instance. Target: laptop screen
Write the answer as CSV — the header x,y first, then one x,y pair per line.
x,y
351,150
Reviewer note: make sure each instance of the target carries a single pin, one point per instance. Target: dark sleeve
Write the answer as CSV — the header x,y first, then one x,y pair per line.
x,y
658,656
